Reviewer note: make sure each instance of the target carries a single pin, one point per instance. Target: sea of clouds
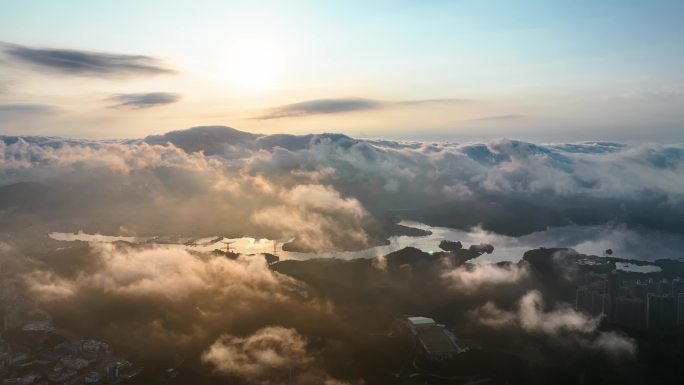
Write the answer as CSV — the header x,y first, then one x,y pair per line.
x,y
330,191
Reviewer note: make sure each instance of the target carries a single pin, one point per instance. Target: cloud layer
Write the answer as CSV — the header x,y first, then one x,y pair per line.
x,y
149,185
327,190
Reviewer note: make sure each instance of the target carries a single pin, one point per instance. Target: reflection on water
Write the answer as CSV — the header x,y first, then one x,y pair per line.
x,y
637,269
594,240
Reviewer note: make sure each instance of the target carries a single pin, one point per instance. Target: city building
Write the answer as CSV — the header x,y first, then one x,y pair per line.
x,y
680,309
633,304
661,311
421,322
630,312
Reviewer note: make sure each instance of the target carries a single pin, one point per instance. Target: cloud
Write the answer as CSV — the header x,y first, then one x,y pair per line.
x,y
85,63
50,286
665,93
325,191
309,213
5,248
19,110
495,184
334,106
615,344
320,106
272,355
150,185
211,140
531,316
470,277
563,323
268,185
159,271
144,100
420,102
498,118
158,300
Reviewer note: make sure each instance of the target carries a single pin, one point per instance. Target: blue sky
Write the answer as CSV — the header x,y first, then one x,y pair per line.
x,y
539,70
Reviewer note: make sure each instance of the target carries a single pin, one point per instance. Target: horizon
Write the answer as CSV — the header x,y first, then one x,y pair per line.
x,y
446,139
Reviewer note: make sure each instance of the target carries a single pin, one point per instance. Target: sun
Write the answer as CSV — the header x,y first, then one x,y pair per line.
x,y
255,63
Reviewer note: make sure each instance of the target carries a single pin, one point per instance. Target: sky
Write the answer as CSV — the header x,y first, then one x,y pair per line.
x,y
431,70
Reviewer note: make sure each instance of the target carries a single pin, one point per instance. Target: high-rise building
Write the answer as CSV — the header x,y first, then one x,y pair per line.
x,y
677,286
664,287
591,301
612,292
661,311
10,316
680,309
584,297
630,312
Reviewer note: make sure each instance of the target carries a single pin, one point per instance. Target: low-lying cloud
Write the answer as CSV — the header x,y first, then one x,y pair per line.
x,y
471,277
327,189
562,323
157,190
272,355
159,299
530,315
162,272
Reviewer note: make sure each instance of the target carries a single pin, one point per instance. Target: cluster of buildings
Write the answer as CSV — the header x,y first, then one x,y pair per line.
x,y
68,363
647,304
27,357
436,341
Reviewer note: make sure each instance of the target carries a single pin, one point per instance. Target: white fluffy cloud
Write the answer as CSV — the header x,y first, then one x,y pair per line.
x,y
311,213
162,272
272,355
164,190
563,323
469,278
530,315
617,345
30,160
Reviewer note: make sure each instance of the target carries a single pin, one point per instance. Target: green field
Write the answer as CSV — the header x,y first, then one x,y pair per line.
x,y
436,341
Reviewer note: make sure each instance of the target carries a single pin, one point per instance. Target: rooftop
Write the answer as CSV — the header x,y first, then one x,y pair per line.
x,y
421,321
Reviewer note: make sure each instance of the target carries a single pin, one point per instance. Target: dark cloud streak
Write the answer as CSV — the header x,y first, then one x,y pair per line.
x,y
341,105
321,106
144,100
85,63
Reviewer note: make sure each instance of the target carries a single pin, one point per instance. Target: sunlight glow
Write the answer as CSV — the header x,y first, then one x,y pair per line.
x,y
255,63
